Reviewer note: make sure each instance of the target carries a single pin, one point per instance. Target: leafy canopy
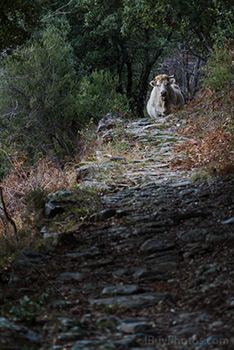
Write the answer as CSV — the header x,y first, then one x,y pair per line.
x,y
18,20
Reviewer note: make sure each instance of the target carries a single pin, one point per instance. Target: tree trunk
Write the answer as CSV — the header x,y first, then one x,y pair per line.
x,y
194,77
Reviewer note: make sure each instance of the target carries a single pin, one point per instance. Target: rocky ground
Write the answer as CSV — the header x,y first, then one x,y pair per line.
x,y
154,269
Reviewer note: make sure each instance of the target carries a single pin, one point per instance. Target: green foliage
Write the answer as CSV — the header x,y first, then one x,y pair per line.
x,y
26,309
38,94
197,22
18,19
97,96
115,36
220,70
47,90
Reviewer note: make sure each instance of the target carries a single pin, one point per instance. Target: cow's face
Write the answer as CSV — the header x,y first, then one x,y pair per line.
x,y
162,82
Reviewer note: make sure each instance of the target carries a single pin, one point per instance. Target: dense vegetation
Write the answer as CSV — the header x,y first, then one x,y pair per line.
x,y
67,63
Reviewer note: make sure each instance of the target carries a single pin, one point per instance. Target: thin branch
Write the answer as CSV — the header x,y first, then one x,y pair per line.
x,y
58,11
11,221
202,58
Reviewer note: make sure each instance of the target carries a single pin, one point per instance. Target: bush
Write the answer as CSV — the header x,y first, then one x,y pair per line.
x,y
220,70
97,96
38,95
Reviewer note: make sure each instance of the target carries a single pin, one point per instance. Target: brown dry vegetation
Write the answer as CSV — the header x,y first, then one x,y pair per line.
x,y
18,187
210,129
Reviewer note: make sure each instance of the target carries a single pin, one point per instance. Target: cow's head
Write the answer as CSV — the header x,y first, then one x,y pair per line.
x,y
162,82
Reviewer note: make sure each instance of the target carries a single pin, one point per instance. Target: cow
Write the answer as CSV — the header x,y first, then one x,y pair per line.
x,y
164,94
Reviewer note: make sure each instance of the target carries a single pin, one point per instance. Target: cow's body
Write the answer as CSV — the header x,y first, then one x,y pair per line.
x,y
164,94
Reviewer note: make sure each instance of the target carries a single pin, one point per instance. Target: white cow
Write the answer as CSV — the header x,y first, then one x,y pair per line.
x,y
164,94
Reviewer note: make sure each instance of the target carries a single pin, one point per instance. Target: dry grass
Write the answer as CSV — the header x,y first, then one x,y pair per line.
x,y
23,180
45,175
210,129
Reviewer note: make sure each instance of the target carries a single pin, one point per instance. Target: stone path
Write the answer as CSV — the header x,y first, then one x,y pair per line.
x,y
153,270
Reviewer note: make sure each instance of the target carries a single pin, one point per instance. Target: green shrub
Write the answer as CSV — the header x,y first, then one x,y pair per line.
x,y
220,70
97,96
38,89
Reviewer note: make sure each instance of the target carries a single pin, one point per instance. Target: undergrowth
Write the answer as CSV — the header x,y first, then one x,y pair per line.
x,y
24,191
210,120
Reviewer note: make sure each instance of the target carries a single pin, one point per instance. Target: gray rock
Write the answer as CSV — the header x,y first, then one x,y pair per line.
x,y
133,327
150,275
103,215
15,337
198,281
208,269
228,221
181,184
157,258
61,196
121,213
194,235
216,324
87,254
52,209
197,248
59,304
107,136
146,230
33,256
124,289
67,322
128,272
182,331
219,239
55,202
71,276
138,301
68,337
221,281
109,121
85,172
161,267
155,245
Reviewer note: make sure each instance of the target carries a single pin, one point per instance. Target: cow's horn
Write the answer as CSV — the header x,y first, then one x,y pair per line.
x,y
171,76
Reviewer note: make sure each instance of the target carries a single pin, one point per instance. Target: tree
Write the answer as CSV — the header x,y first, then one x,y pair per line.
x,y
38,94
112,35
205,19
18,20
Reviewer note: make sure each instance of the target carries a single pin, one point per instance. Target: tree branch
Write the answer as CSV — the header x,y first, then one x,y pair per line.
x,y
11,221
58,11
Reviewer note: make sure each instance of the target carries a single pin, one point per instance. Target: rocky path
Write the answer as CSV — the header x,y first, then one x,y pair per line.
x,y
153,270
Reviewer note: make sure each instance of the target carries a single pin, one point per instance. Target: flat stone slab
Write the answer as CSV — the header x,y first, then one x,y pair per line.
x,y
14,336
138,301
88,254
150,275
69,276
133,327
124,289
155,245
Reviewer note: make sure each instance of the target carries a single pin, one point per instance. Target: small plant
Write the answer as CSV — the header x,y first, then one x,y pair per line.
x,y
107,324
25,309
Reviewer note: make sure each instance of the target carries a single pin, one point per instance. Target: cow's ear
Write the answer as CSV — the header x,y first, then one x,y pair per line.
x,y
152,83
171,81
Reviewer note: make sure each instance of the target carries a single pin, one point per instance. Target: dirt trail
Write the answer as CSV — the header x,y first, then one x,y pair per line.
x,y
153,270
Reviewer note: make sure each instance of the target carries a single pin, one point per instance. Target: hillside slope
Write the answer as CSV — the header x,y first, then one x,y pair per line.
x,y
151,266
